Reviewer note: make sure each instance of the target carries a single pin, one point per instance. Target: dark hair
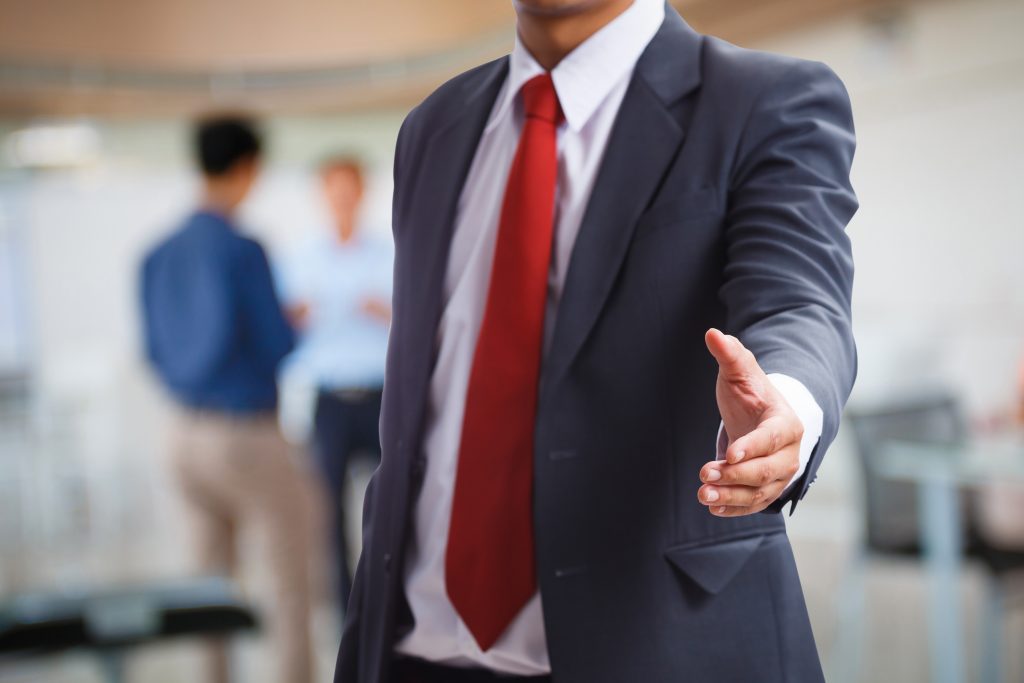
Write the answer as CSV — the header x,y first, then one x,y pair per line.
x,y
343,162
223,141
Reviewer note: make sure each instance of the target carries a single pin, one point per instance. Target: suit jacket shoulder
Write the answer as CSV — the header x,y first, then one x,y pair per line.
x,y
748,77
442,109
437,109
453,91
751,71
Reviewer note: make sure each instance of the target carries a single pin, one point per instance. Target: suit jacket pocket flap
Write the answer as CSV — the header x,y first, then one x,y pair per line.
x,y
712,566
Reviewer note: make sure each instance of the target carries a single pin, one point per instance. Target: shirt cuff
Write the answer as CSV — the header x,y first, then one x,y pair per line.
x,y
807,410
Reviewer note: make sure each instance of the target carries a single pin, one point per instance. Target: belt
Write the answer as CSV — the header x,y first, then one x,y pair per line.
x,y
413,670
353,394
209,414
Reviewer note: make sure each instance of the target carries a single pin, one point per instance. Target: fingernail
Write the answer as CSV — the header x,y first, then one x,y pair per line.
x,y
711,495
713,474
739,455
719,510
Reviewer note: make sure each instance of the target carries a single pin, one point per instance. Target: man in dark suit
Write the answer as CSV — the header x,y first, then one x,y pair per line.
x,y
573,223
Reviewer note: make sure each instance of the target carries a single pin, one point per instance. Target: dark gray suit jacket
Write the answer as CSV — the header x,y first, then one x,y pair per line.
x,y
722,201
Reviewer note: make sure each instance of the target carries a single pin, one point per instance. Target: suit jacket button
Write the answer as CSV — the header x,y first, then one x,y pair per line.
x,y
387,562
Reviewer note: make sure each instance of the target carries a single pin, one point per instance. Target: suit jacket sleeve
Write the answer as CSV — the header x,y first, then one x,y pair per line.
x,y
789,269
347,666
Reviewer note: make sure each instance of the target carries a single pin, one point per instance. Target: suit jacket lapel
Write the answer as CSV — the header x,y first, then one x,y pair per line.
x,y
447,156
644,141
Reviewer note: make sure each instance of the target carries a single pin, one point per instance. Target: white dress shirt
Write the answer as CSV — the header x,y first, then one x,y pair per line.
x,y
591,83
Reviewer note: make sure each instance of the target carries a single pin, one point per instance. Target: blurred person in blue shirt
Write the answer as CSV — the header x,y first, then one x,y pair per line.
x,y
214,328
215,335
338,283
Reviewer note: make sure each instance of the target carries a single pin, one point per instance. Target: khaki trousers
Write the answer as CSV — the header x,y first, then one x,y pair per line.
x,y
237,473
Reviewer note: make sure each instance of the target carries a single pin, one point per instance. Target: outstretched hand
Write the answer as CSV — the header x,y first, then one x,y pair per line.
x,y
764,435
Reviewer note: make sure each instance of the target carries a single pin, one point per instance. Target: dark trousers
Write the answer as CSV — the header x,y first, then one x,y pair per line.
x,y
344,423
410,670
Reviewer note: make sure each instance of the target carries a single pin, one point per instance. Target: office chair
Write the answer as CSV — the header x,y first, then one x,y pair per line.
x,y
891,521
112,622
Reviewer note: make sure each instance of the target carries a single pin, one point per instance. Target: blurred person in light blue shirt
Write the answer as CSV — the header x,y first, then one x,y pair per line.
x,y
337,285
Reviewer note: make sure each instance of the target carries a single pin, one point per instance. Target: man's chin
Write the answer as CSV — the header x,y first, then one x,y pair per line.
x,y
555,8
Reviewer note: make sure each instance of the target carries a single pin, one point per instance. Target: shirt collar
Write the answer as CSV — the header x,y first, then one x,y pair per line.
x,y
214,216
585,77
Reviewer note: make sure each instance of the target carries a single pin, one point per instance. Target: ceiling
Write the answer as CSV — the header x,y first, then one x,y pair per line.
x,y
226,34
152,57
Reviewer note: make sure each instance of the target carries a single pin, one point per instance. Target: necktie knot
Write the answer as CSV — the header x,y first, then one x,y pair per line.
x,y
540,100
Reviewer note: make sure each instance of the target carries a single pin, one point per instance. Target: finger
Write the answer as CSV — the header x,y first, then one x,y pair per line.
x,y
712,472
762,471
722,347
733,358
767,438
724,511
733,496
760,499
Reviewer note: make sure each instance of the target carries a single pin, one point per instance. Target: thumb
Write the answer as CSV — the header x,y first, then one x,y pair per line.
x,y
733,358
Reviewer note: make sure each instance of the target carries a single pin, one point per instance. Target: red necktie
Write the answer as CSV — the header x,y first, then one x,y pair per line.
x,y
489,570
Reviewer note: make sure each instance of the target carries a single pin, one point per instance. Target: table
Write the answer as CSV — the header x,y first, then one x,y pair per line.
x,y
941,471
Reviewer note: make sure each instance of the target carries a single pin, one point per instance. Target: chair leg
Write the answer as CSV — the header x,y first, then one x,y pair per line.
x,y
942,540
112,664
991,632
852,608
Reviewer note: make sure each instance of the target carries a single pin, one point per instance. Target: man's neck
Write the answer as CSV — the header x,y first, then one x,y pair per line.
x,y
549,37
218,200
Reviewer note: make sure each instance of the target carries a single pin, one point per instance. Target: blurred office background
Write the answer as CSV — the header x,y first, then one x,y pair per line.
x,y
95,103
